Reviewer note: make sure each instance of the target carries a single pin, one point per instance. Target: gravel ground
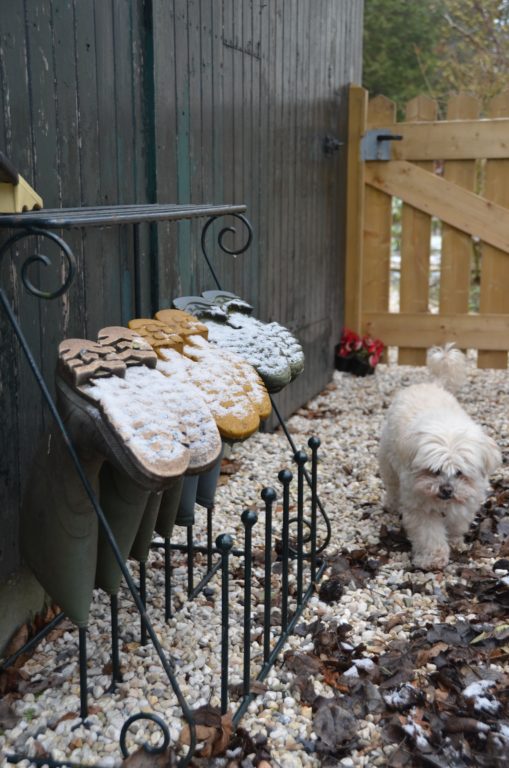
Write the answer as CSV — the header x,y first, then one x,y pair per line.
x,y
347,417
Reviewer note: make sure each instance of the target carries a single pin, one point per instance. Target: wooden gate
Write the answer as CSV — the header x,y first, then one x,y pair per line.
x,y
446,182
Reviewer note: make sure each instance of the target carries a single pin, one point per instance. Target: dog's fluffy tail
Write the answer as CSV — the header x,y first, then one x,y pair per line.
x,y
448,365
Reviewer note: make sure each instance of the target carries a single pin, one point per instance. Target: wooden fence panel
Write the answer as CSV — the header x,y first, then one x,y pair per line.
x,y
495,263
471,199
415,242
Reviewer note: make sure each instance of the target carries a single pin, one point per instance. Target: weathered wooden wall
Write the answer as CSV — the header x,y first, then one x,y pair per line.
x,y
121,101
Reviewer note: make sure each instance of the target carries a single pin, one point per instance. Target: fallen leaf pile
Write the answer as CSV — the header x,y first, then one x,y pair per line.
x,y
440,697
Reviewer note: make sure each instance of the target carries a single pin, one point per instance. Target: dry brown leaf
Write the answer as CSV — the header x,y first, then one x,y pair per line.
x,y
216,736
425,656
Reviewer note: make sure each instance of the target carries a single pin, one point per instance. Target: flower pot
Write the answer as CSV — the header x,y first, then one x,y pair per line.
x,y
354,365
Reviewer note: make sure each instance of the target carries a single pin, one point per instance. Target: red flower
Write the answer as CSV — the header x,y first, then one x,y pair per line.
x,y
365,347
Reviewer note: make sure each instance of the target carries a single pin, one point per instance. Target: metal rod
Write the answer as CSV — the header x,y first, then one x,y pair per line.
x,y
203,583
285,477
115,657
82,645
210,511
46,762
190,561
224,543
143,597
167,579
34,641
107,215
300,458
314,444
201,548
269,496
249,518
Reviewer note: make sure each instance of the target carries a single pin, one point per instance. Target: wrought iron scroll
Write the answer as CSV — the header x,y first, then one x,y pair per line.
x,y
222,244
6,306
39,258
316,550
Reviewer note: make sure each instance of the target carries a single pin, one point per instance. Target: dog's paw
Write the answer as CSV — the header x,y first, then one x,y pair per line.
x,y
458,544
433,560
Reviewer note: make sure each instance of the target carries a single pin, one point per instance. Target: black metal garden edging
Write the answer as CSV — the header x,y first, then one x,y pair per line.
x,y
40,224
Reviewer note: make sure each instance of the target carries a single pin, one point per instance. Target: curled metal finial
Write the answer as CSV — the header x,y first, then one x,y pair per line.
x,y
39,258
160,748
221,241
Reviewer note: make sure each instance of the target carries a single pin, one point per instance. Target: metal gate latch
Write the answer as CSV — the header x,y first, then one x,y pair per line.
x,y
376,145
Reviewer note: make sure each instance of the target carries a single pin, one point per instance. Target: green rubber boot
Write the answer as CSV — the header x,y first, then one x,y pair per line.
x,y
123,503
169,509
59,527
207,485
185,513
141,545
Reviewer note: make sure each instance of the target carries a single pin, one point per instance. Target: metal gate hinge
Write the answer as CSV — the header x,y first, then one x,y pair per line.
x,y
376,145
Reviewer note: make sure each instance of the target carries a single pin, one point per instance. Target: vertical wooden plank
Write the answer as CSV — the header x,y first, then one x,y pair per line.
x,y
183,169
162,42
68,159
357,115
40,46
123,78
225,268
338,199
415,243
265,12
457,247
88,142
253,177
378,224
196,148
494,263
20,120
204,152
144,143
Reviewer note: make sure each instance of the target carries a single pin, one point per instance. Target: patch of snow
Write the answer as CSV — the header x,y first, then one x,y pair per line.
x,y
417,734
367,665
476,691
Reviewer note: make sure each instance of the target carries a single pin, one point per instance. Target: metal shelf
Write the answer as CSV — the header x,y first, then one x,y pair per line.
x,y
110,215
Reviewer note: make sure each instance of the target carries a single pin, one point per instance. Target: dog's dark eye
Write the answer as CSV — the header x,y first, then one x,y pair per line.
x,y
435,471
459,473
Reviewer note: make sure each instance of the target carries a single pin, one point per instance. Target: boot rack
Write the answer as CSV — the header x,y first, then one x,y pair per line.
x,y
302,552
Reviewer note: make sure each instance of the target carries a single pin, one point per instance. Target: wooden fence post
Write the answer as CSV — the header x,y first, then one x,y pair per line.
x,y
415,243
357,108
377,224
495,263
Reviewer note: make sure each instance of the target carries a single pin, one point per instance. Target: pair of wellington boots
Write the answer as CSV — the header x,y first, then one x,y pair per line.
x,y
62,540
270,348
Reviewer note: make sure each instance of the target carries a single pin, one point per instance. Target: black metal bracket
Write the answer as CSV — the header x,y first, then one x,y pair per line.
x,y
331,144
376,144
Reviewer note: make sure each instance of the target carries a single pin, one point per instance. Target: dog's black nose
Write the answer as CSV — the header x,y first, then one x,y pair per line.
x,y
445,492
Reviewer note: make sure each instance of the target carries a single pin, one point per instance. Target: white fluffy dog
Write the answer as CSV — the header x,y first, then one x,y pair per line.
x,y
435,461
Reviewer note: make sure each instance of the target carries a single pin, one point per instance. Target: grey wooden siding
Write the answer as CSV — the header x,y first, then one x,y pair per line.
x,y
121,101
